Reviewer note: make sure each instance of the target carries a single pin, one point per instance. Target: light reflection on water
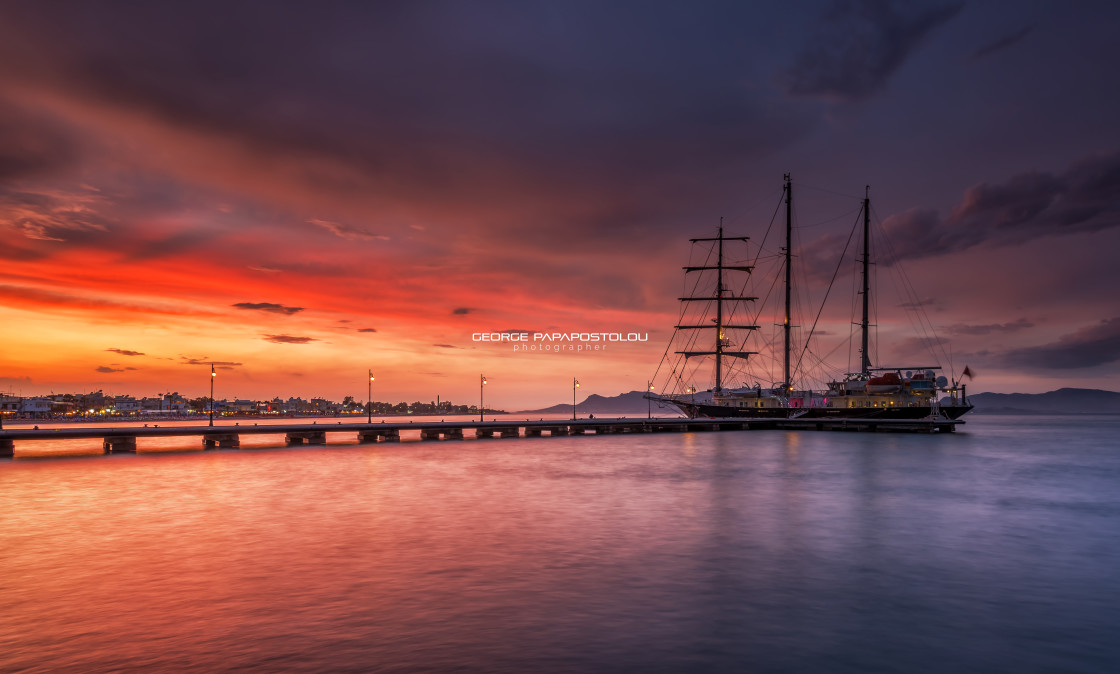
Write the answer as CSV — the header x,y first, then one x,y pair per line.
x,y
992,549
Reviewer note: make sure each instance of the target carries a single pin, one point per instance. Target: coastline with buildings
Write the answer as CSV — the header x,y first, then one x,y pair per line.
x,y
98,405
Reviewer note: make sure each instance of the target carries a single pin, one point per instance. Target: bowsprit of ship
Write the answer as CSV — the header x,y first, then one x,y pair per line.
x,y
871,392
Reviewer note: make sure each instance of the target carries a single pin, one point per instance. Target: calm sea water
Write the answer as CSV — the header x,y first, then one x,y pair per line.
x,y
994,549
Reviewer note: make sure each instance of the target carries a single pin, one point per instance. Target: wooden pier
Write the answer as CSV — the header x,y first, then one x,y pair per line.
x,y
123,440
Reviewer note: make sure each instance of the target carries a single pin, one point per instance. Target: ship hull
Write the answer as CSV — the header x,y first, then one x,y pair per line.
x,y
695,410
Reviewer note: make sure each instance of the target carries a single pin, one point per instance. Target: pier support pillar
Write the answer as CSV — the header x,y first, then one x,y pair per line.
x,y
223,440
532,432
483,433
310,437
509,432
379,436
122,444
453,434
7,449
429,434
556,430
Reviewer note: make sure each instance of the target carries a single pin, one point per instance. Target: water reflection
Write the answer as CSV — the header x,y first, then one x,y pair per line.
x,y
670,552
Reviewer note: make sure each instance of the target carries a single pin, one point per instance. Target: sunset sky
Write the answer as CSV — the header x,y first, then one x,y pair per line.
x,y
300,192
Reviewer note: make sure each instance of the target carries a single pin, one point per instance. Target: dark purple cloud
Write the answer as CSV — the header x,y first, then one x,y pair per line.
x,y
432,105
461,311
32,145
1083,198
1001,43
288,339
126,352
220,364
964,329
367,329
920,304
860,44
1031,205
1088,347
269,307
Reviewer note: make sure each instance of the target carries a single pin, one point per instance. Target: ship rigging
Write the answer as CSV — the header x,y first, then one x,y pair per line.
x,y
881,392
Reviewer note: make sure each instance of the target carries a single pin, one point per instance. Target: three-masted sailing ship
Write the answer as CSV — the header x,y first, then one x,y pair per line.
x,y
871,392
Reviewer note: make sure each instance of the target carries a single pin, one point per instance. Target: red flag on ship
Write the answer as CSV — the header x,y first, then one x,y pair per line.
x,y
967,372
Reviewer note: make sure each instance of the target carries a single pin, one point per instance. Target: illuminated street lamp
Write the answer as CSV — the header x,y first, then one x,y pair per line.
x,y
213,374
649,399
369,399
575,385
481,404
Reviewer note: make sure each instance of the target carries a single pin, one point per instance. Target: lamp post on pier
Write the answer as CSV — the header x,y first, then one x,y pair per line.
x,y
575,385
481,398
213,375
649,399
369,399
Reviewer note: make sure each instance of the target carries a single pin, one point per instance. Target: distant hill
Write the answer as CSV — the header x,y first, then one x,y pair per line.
x,y
1062,401
625,404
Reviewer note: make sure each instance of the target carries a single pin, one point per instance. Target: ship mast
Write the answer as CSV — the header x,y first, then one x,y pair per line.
x,y
719,298
864,322
786,385
719,311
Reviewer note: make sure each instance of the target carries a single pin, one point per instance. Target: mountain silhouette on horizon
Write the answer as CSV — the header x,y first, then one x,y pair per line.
x,y
1061,401
624,404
